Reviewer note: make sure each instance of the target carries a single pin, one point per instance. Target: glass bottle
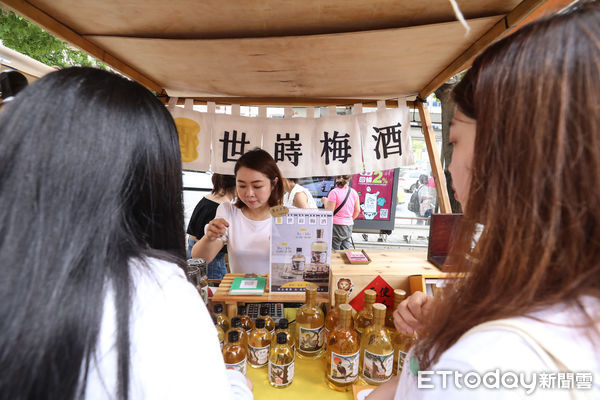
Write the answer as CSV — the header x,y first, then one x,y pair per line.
x,y
401,342
376,350
222,320
245,320
298,262
236,325
269,323
309,326
340,297
343,352
364,318
220,332
234,354
283,326
399,296
281,362
318,249
259,343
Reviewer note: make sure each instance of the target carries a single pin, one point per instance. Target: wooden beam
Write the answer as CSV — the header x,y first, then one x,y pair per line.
x,y
289,101
55,27
503,26
434,159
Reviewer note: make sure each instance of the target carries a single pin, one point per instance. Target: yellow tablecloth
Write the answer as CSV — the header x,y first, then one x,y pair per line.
x,y
309,383
309,379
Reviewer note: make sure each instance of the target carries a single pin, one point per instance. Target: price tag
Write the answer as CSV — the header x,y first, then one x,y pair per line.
x,y
279,211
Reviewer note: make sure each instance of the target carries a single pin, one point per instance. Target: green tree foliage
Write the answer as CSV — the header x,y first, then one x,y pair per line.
x,y
21,35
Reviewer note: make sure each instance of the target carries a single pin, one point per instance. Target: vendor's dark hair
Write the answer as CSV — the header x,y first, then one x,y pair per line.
x,y
342,180
90,179
222,184
540,244
261,161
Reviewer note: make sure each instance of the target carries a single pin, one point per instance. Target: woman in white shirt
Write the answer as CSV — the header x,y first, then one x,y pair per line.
x,y
525,321
94,302
245,226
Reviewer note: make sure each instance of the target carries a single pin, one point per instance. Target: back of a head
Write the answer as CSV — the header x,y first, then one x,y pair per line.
x,y
11,83
90,176
261,161
423,179
342,180
534,96
222,183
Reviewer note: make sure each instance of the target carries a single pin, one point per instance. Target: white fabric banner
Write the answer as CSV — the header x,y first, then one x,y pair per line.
x,y
232,136
194,130
326,146
385,138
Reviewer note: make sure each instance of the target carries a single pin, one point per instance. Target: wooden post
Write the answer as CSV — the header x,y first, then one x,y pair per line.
x,y
434,159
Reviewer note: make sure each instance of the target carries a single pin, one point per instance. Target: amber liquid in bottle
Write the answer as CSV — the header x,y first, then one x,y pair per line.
x,y
245,320
234,354
343,352
401,342
309,326
259,344
222,320
236,325
341,297
283,326
220,332
376,350
364,318
281,362
269,323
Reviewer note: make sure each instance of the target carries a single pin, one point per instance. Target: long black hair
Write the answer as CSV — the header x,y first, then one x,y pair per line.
x,y
90,178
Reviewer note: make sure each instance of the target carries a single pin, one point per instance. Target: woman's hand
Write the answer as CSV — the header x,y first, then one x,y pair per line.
x,y
411,313
216,228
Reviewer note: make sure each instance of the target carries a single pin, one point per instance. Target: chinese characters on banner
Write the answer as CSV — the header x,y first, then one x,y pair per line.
x,y
325,146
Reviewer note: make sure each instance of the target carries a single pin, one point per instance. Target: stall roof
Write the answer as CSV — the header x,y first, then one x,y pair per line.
x,y
280,52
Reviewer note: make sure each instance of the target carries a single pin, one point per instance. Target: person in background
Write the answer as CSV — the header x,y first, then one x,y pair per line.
x,y
426,195
343,201
245,226
93,297
204,212
11,83
530,300
296,195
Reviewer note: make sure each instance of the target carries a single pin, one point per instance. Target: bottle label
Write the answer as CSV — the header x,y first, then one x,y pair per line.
x,y
281,375
318,256
401,357
344,367
298,265
378,367
240,366
311,340
258,355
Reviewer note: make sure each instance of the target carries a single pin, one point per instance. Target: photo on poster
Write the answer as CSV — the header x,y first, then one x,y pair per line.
x,y
301,250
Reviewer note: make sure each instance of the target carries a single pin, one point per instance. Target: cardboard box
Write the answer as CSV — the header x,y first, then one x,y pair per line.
x,y
394,266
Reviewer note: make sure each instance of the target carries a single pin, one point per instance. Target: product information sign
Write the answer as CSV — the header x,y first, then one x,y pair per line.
x,y
301,250
375,192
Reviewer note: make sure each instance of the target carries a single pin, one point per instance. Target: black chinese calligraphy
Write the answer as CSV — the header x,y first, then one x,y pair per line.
x,y
388,141
289,147
337,147
233,147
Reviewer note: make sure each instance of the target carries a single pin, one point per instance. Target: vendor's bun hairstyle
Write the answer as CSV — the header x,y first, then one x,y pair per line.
x,y
261,161
535,183
342,180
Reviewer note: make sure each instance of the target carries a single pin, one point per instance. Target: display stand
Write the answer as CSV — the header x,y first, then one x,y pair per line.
x,y
231,302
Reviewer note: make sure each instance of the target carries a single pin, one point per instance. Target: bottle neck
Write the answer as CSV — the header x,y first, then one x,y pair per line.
x,y
311,299
369,306
378,320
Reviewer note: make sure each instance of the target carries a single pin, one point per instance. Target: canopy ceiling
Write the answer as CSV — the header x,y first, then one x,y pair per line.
x,y
294,50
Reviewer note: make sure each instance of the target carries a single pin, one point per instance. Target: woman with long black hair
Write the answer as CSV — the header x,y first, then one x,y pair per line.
x,y
94,302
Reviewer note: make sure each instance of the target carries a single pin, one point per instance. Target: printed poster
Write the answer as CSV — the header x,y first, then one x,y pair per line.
x,y
375,191
301,250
